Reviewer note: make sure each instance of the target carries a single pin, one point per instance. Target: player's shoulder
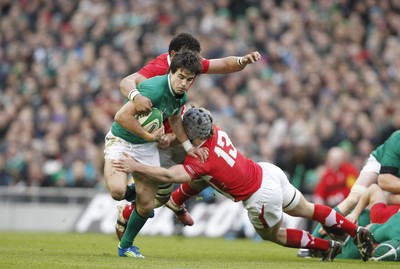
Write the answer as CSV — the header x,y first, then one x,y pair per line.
x,y
154,86
163,58
396,136
155,67
393,142
154,81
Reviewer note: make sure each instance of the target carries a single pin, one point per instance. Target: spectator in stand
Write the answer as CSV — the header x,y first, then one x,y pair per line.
x,y
6,176
336,180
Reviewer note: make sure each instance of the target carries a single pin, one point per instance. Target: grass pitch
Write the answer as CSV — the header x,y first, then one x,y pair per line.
x,y
73,250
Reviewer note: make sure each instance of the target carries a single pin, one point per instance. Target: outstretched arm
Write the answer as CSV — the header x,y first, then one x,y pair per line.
x,y
232,64
174,174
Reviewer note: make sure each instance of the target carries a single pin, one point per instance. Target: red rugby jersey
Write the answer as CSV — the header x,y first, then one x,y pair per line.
x,y
226,169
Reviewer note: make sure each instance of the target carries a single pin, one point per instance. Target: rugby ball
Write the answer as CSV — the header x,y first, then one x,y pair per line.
x,y
387,251
151,121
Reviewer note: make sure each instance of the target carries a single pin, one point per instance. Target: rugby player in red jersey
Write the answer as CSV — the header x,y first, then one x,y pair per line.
x,y
263,188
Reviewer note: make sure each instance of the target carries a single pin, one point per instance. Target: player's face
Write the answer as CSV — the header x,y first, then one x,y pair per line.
x,y
181,81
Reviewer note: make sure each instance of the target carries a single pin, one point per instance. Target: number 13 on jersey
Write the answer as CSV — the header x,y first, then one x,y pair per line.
x,y
225,149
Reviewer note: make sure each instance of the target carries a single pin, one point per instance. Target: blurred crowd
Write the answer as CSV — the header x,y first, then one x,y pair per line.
x,y
329,77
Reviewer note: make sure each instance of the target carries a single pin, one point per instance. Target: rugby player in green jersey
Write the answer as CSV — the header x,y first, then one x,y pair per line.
x,y
382,167
168,94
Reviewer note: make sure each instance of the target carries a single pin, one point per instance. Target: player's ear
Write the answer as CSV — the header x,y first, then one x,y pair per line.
x,y
172,54
193,105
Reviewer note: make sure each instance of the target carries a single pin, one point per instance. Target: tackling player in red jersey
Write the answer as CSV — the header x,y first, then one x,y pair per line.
x,y
263,188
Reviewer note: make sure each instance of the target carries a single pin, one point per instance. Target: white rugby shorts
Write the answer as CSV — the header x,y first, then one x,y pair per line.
x,y
371,165
146,153
274,196
368,175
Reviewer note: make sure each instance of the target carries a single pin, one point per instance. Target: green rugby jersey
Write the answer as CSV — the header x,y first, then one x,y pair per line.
x,y
388,154
388,230
158,89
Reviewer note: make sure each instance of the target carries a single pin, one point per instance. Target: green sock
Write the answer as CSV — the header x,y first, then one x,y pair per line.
x,y
135,224
316,233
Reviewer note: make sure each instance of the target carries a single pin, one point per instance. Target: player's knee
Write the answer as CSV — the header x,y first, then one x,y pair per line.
x,y
145,208
117,193
374,187
269,234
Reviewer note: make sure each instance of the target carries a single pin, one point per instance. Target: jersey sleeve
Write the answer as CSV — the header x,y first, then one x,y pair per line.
x,y
156,67
151,91
195,168
206,65
391,156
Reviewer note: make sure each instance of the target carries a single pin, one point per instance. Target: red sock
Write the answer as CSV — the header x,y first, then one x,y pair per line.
x,y
329,217
126,213
183,193
298,238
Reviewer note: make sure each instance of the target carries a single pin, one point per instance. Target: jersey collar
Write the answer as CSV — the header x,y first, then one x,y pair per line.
x,y
177,97
170,86
169,60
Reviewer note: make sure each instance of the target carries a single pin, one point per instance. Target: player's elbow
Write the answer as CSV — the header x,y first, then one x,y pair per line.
x,y
135,77
122,84
118,117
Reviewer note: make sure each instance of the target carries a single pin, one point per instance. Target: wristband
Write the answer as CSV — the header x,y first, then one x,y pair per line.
x,y
187,145
132,94
240,61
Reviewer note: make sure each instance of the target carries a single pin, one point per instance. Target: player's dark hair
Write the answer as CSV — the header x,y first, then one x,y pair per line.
x,y
184,41
188,60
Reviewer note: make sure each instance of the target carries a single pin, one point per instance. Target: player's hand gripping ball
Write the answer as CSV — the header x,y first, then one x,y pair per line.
x,y
151,121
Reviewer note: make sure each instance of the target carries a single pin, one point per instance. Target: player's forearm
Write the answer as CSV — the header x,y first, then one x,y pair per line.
x,y
232,64
130,123
389,182
225,65
158,174
129,84
177,127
